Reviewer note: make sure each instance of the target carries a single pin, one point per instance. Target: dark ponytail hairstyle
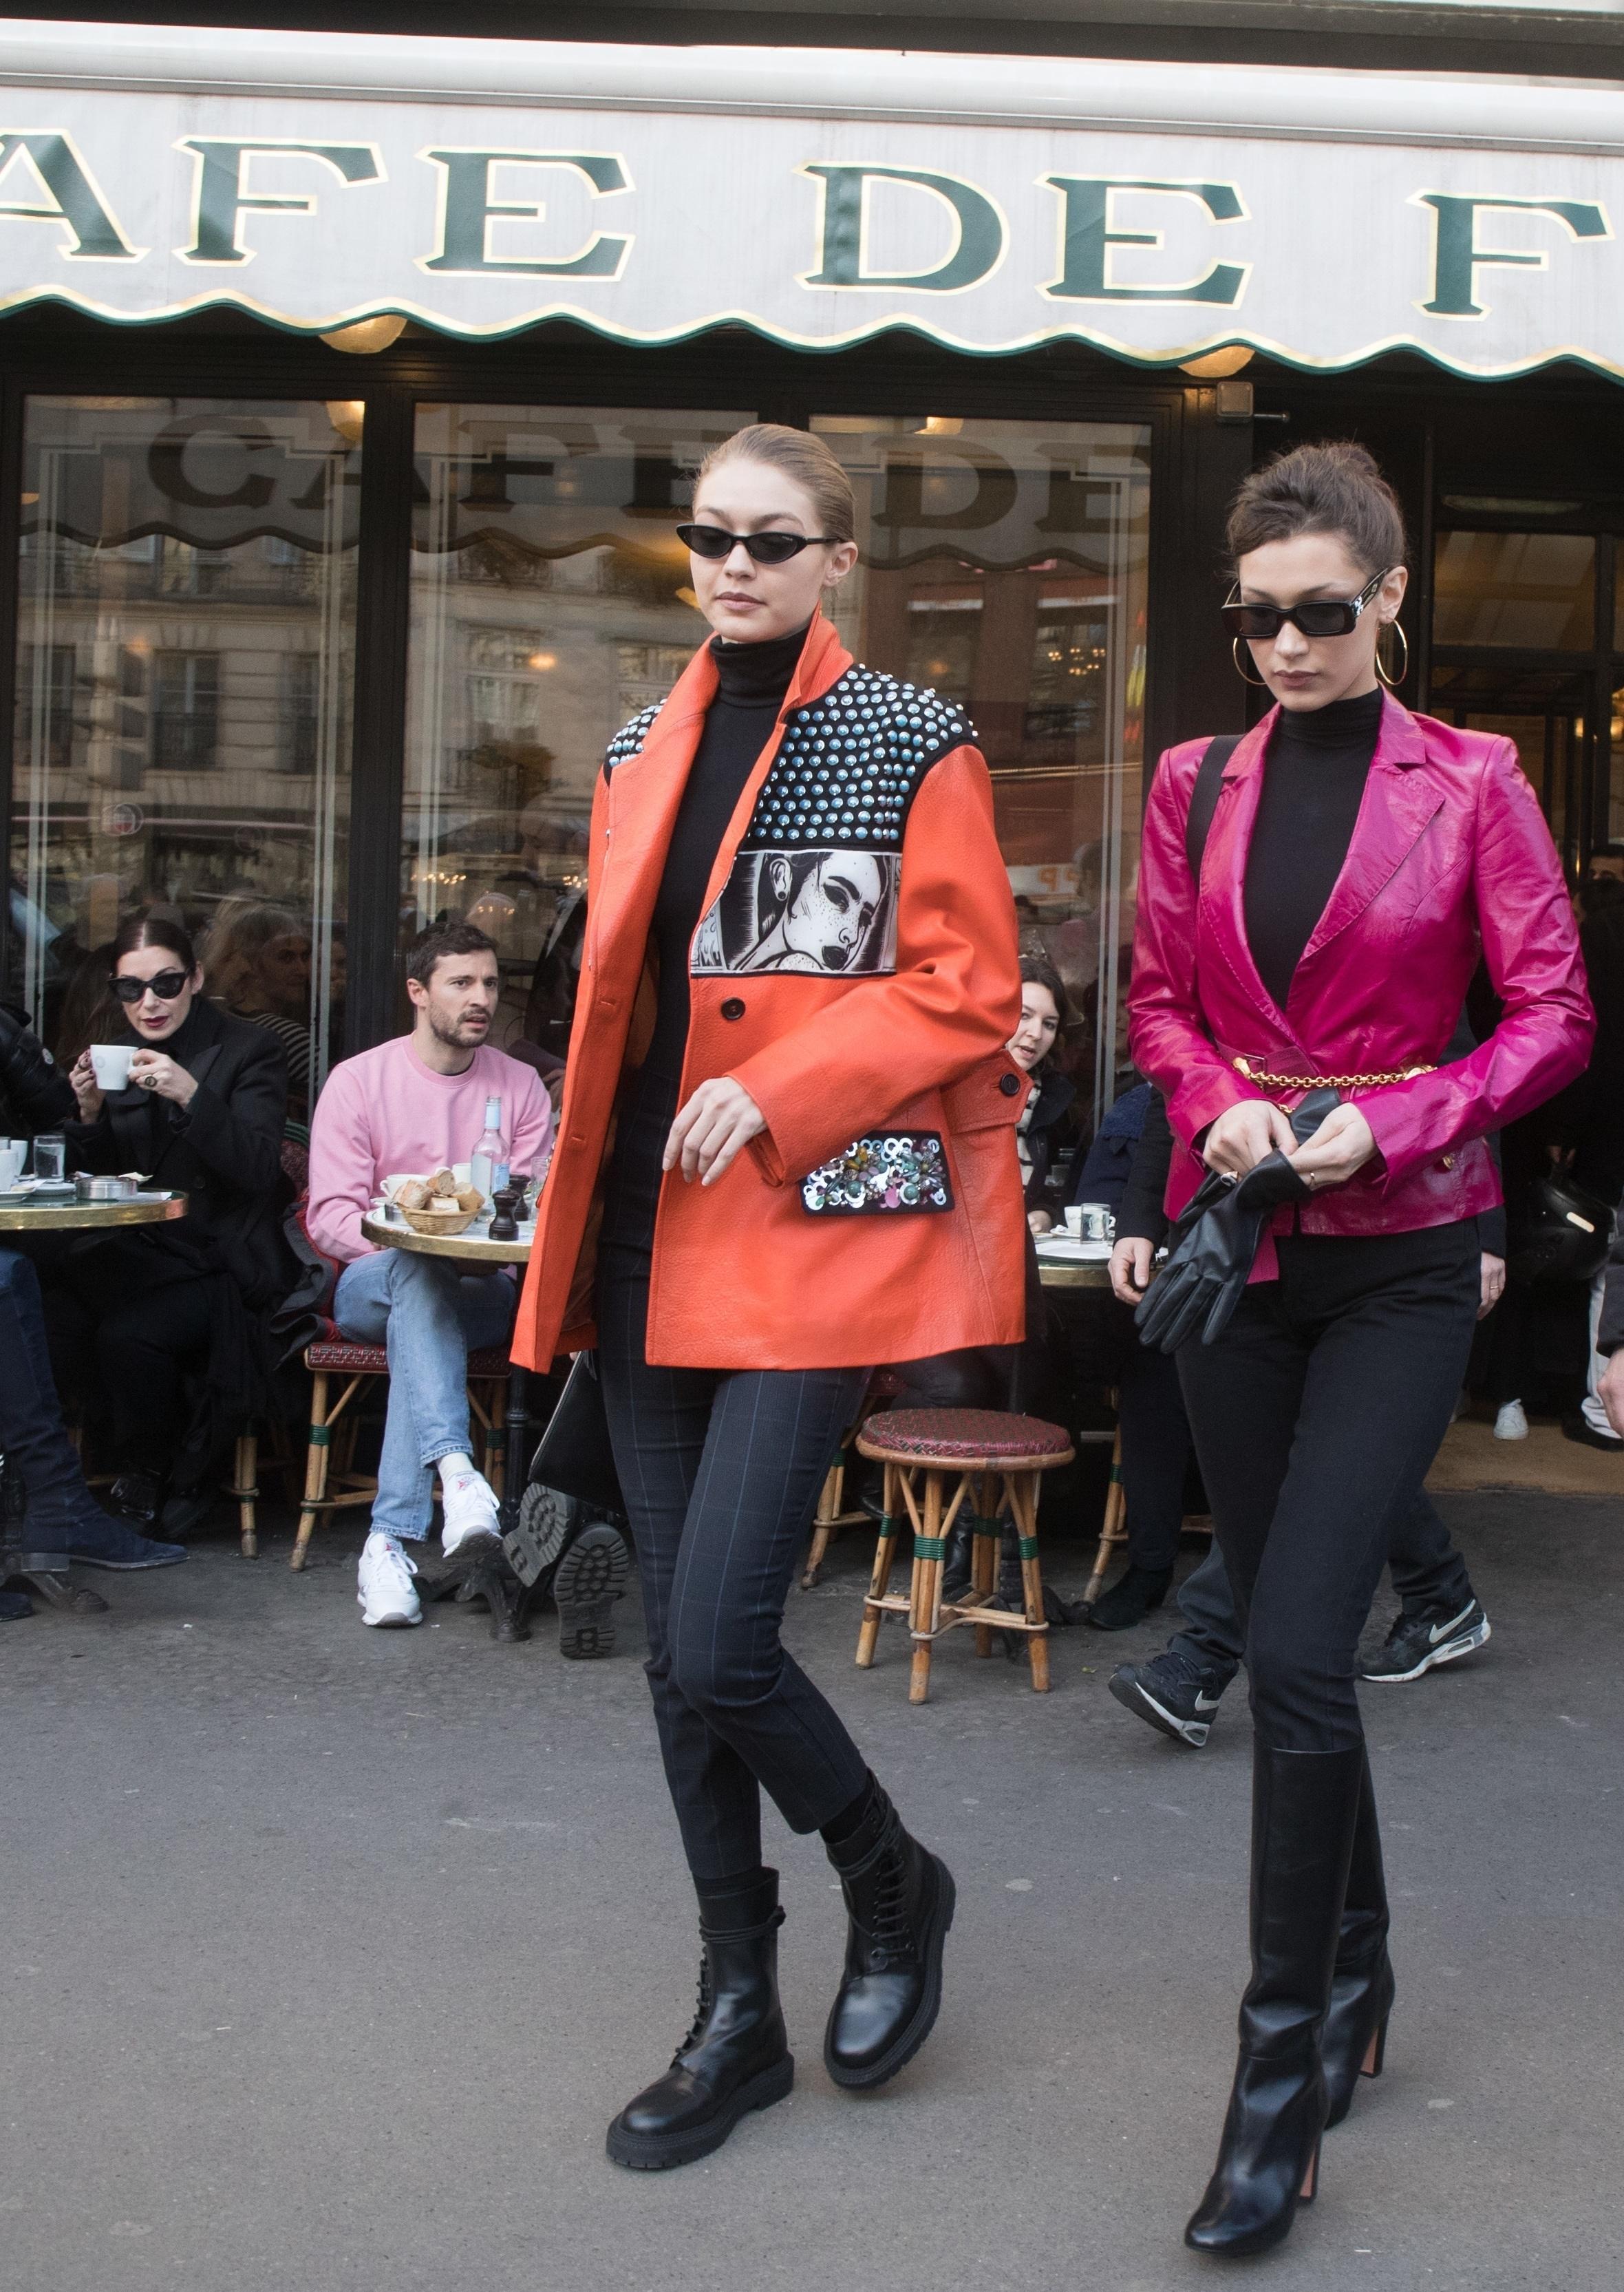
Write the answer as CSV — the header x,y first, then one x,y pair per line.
x,y
1336,489
153,930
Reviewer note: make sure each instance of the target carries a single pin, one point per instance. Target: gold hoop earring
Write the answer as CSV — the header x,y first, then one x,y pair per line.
x,y
1235,654
1390,681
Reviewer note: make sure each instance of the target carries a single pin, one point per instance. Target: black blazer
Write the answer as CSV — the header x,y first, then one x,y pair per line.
x,y
224,1150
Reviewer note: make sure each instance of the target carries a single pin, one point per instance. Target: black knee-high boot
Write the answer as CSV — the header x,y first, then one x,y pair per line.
x,y
1355,2037
737,2057
1305,1805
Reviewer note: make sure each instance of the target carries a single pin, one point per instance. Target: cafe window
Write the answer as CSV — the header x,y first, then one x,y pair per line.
x,y
549,603
1531,591
1004,564
185,666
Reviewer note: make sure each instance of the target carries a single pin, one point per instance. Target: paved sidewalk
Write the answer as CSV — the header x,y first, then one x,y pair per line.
x,y
328,1954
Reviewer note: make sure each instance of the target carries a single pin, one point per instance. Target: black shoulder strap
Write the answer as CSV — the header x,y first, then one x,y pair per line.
x,y
1204,795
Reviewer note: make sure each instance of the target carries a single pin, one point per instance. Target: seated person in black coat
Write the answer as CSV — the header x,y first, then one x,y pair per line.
x,y
163,1305
60,1518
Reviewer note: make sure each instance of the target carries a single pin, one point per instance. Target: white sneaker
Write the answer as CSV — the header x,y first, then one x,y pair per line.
x,y
1511,1424
471,1509
388,1595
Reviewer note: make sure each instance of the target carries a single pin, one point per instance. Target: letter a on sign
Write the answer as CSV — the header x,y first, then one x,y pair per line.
x,y
65,180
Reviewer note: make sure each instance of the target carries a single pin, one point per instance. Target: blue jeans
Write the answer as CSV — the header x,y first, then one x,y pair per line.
x,y
429,1317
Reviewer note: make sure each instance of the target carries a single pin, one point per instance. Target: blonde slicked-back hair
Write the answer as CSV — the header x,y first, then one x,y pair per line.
x,y
798,455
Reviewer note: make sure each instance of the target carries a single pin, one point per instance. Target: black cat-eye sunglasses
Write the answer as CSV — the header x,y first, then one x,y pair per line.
x,y
715,542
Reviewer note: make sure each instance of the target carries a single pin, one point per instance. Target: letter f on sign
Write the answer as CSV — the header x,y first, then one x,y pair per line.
x,y
219,200
1457,257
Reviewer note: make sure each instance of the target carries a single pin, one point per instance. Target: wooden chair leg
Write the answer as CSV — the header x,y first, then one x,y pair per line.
x,y
315,1467
927,1588
823,1530
885,1553
1023,1504
983,1557
1114,1527
245,1490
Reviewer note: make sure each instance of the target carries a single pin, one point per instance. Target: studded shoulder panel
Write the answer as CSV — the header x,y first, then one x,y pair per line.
x,y
850,764
815,884
629,739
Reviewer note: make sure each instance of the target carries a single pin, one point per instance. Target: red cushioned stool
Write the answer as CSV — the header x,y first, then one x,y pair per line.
x,y
331,1357
979,1447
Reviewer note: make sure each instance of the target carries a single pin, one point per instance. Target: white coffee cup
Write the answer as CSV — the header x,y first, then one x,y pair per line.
x,y
1074,1219
13,1153
110,1063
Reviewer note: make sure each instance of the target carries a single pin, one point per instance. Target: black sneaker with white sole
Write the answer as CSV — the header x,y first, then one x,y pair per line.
x,y
1420,1642
1173,1694
587,1582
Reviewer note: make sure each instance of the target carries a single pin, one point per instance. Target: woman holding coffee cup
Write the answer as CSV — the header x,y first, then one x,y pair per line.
x,y
196,1101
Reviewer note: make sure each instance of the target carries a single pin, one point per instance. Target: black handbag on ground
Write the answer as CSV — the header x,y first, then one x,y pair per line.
x,y
1214,1242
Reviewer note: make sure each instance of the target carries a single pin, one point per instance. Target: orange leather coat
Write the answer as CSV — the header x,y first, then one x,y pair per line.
x,y
856,969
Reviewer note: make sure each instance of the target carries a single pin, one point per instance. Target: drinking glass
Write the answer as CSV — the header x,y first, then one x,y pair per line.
x,y
49,1158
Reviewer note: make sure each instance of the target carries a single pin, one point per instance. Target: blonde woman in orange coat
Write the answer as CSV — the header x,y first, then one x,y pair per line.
x,y
784,1155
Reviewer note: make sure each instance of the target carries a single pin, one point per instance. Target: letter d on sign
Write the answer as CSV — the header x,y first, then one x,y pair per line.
x,y
843,254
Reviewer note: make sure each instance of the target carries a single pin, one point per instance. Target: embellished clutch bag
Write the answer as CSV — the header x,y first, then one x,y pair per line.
x,y
883,1172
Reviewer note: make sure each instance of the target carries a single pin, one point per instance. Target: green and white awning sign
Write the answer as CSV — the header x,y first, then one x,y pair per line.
x,y
1158,211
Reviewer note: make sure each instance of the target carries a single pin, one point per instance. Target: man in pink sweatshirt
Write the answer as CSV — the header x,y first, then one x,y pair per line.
x,y
417,1104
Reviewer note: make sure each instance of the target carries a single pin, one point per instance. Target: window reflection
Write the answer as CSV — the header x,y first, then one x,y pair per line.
x,y
185,664
1530,590
549,603
1004,563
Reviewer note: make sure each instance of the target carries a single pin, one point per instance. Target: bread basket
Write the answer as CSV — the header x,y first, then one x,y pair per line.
x,y
439,1220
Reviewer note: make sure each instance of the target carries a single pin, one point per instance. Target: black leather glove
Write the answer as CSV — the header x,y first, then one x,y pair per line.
x,y
1216,1241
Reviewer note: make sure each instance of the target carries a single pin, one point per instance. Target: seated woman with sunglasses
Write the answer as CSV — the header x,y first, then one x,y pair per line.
x,y
1322,935
203,1114
784,1154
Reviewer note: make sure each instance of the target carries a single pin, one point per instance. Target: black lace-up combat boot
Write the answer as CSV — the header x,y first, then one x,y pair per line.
x,y
899,1901
735,2057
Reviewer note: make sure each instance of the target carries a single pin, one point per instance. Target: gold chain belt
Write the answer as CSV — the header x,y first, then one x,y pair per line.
x,y
1328,1082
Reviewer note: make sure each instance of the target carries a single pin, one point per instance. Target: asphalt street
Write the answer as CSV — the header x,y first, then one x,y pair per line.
x,y
328,1955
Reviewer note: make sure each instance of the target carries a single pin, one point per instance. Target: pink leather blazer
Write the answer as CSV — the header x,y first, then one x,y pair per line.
x,y
1449,859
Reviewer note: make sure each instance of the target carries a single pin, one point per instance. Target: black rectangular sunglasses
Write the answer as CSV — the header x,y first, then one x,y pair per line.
x,y
1318,617
713,541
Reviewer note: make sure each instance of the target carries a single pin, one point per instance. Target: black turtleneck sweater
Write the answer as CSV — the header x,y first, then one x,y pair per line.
x,y
738,726
1313,785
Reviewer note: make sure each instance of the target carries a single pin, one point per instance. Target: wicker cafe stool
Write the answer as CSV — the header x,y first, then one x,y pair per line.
x,y
331,1357
979,1447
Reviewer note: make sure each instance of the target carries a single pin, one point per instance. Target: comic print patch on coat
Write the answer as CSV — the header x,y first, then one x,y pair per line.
x,y
814,885
883,1171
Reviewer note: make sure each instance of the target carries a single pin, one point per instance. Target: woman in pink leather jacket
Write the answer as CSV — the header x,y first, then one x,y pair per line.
x,y
1358,862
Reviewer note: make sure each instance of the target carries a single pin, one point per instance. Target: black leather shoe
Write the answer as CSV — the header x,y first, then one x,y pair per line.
x,y
1134,1595
1354,2041
1305,1806
735,2057
899,1904
138,1497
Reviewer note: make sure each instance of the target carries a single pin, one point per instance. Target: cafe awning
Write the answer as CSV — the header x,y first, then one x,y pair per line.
x,y
1157,211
